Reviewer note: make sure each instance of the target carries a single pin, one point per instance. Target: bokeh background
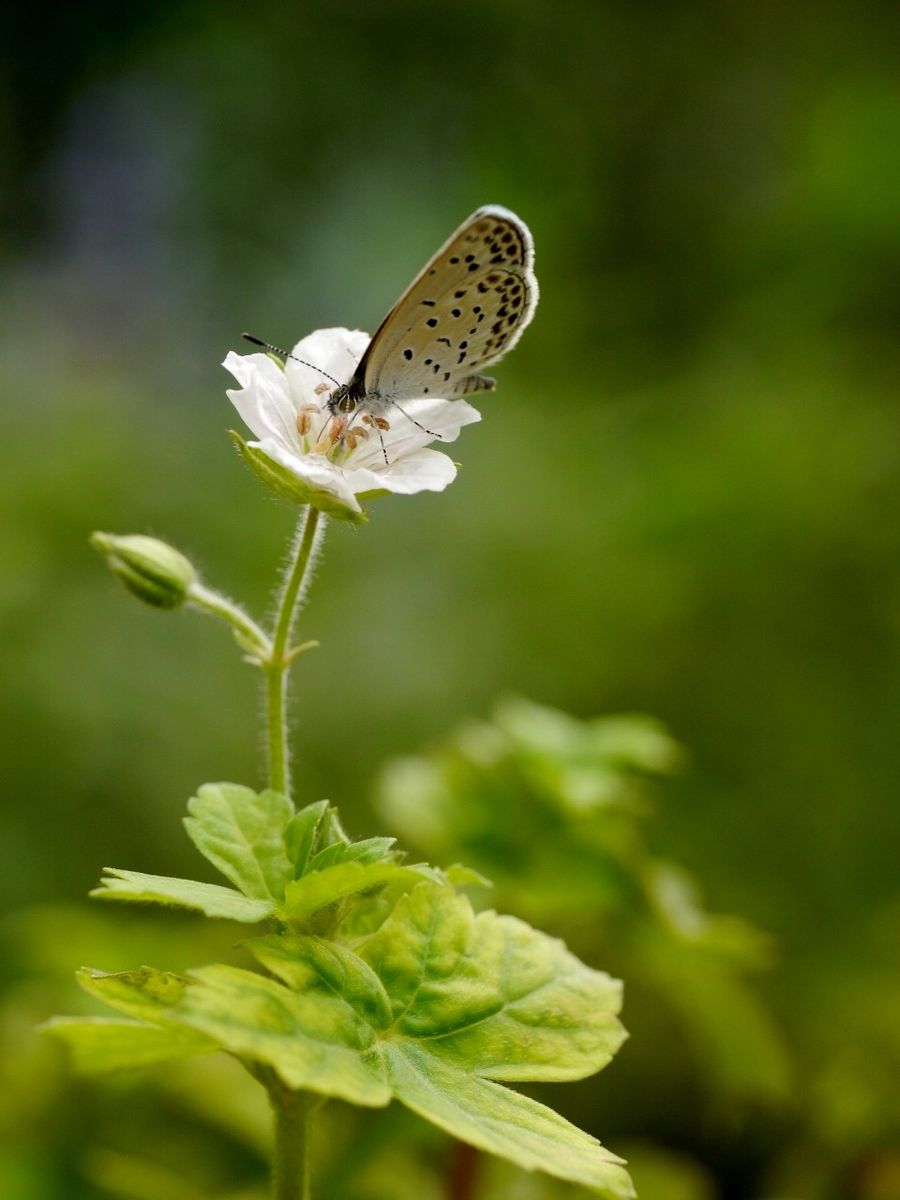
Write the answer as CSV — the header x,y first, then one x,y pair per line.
x,y
682,500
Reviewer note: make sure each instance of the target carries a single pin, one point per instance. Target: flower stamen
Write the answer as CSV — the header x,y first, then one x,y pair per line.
x,y
376,422
304,419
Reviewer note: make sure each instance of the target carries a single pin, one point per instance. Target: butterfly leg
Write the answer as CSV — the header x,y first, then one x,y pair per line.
x,y
430,432
380,424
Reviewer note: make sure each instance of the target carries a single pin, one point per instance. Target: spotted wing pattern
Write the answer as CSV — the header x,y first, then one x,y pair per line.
x,y
464,310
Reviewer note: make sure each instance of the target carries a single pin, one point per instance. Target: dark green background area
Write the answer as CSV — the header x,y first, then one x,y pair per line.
x,y
682,500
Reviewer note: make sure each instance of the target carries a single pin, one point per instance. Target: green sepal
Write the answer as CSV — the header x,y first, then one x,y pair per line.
x,y
242,833
209,898
152,570
288,486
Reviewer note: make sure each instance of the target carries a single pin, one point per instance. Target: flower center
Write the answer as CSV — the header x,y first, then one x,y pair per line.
x,y
338,437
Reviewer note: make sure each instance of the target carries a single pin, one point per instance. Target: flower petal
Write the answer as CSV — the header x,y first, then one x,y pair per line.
x,y
264,402
422,471
442,417
334,351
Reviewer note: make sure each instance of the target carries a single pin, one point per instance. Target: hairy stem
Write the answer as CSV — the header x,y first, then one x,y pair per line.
x,y
218,605
291,594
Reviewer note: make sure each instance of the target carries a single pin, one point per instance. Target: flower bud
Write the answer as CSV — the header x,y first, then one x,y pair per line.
x,y
154,572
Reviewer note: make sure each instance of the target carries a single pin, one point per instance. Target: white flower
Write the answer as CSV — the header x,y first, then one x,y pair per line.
x,y
287,410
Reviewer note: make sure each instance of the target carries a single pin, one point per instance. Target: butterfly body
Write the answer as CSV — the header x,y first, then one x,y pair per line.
x,y
464,310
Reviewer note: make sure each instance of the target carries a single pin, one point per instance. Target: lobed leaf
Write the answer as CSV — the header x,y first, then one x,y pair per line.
x,y
315,1040
431,1006
242,834
99,1044
369,850
304,962
146,994
318,889
490,993
502,1122
209,898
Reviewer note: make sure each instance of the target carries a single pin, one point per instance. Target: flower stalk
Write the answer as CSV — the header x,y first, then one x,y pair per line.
x,y
249,635
292,592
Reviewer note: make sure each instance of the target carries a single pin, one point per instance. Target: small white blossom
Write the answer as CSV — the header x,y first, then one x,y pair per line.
x,y
342,458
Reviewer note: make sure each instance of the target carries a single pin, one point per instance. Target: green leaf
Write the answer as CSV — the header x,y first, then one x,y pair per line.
x,y
209,898
318,889
332,828
432,1004
629,740
462,876
315,1040
288,486
304,962
243,835
302,834
146,993
149,996
503,1122
369,850
490,993
99,1044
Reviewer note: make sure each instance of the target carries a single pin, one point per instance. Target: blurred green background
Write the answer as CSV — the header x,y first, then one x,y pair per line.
x,y
682,499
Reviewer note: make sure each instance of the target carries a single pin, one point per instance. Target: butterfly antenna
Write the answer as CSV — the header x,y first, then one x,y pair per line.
x,y
430,432
248,337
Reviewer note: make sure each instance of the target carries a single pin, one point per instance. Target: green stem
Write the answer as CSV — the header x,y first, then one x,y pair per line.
x,y
291,1165
220,606
294,583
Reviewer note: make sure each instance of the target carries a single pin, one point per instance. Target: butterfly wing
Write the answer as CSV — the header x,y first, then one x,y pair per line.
x,y
464,310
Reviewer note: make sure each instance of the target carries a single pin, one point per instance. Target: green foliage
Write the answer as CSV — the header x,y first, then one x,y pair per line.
x,y
208,898
243,835
552,807
382,982
103,1044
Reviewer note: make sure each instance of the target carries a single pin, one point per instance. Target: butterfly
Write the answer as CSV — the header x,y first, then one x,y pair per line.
x,y
466,308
